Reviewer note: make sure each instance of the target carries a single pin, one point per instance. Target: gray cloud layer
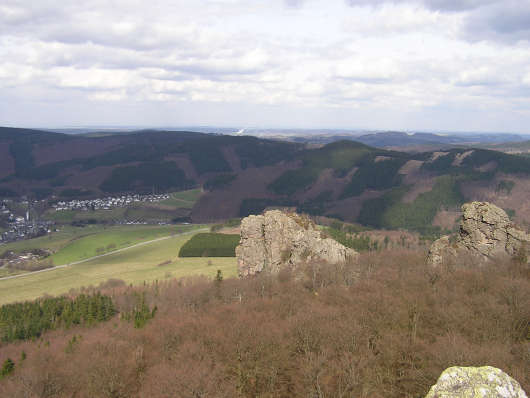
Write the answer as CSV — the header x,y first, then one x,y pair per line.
x,y
380,64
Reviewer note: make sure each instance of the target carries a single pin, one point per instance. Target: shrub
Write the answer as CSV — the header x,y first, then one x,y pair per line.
x,y
7,367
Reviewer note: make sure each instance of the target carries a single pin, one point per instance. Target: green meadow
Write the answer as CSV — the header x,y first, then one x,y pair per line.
x,y
55,240
183,199
72,244
153,261
113,238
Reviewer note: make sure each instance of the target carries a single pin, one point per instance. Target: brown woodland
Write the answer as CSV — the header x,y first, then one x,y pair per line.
x,y
385,328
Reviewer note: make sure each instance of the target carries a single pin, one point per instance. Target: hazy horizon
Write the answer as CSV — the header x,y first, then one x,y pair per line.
x,y
275,129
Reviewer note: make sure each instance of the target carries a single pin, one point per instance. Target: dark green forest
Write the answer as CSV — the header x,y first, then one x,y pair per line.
x,y
28,320
210,245
160,175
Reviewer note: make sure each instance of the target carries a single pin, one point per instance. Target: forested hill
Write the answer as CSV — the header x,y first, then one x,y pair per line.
x,y
42,163
380,188
244,175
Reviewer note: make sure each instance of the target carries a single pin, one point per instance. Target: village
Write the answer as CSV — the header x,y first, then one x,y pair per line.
x,y
18,227
107,203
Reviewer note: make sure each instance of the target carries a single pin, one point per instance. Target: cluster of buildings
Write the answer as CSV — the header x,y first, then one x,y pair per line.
x,y
18,227
107,203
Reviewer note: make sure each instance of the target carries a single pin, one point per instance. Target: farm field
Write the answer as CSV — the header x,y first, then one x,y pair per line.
x,y
183,199
73,244
153,261
68,216
114,238
55,240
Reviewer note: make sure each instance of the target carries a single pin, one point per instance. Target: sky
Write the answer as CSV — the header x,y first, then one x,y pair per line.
x,y
435,65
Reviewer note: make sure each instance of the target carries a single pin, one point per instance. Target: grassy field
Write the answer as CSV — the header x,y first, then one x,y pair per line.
x,y
53,241
134,266
184,199
67,216
73,244
113,238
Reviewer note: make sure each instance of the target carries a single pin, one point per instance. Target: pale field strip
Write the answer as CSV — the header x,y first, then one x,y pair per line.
x,y
103,255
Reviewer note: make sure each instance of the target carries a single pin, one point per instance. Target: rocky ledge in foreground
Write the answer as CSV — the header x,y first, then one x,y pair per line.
x,y
276,239
470,382
486,233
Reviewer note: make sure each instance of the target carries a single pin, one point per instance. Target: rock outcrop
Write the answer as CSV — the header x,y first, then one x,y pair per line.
x,y
276,239
470,382
486,233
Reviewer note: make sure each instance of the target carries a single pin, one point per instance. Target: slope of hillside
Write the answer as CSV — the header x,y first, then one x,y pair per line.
x,y
244,175
383,328
380,188
140,161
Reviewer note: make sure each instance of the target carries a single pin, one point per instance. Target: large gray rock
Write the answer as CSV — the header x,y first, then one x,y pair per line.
x,y
470,382
486,233
276,239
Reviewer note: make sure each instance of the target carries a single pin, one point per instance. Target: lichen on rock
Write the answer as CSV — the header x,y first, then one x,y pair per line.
x,y
486,233
475,382
275,240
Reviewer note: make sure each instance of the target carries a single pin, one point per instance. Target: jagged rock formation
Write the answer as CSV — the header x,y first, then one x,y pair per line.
x,y
276,239
486,233
470,382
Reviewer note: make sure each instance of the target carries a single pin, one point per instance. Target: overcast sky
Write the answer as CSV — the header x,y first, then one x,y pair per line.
x,y
461,65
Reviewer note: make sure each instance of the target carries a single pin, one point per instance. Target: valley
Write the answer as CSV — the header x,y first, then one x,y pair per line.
x,y
233,176
97,194
265,199
149,249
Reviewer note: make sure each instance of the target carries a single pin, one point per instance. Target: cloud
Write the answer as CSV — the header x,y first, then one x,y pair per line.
x,y
479,76
315,61
391,19
456,5
507,22
294,3
437,5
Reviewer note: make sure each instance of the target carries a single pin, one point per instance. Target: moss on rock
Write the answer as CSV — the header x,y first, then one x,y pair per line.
x,y
475,382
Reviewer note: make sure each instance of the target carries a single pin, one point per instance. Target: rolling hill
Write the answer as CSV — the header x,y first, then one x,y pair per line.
x,y
399,140
244,175
38,162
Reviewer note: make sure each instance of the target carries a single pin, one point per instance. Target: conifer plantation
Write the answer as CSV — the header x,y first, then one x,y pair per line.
x,y
28,320
385,328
